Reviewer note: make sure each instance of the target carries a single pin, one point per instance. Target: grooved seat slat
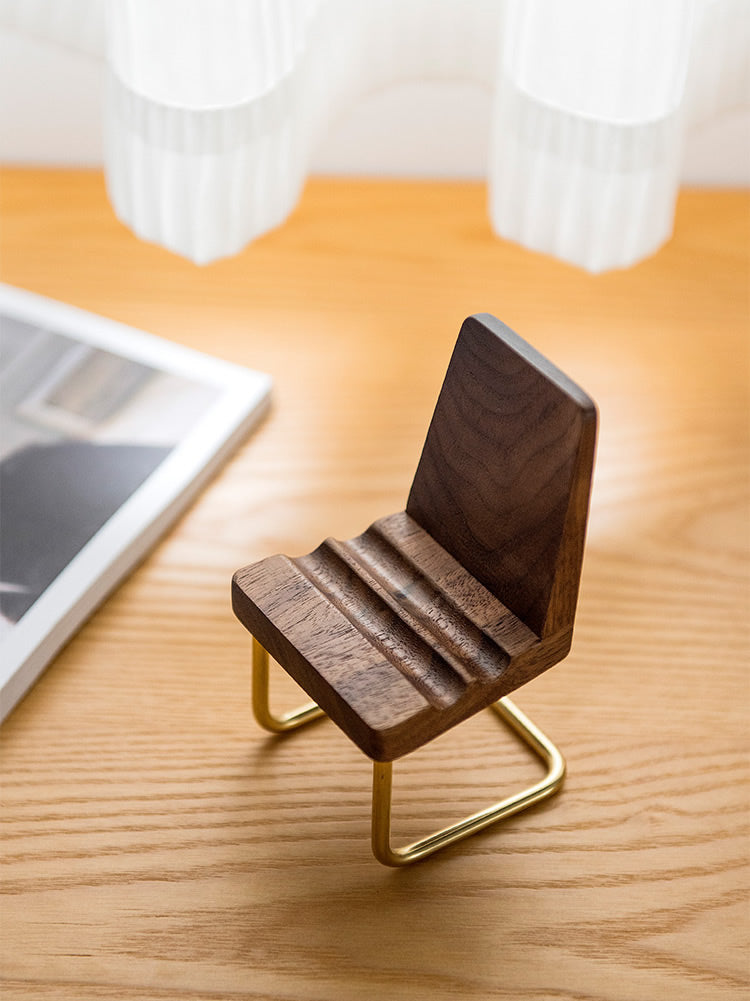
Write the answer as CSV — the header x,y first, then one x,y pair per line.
x,y
373,613
428,610
452,586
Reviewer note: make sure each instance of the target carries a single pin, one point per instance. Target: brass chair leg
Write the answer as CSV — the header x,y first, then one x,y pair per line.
x,y
261,708
381,796
510,714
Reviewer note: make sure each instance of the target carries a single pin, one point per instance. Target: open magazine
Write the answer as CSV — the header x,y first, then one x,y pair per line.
x,y
105,435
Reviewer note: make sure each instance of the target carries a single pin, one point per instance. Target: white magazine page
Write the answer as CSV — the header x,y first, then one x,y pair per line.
x,y
105,435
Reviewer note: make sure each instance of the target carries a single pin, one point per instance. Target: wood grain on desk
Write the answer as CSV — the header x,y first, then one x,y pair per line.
x,y
158,845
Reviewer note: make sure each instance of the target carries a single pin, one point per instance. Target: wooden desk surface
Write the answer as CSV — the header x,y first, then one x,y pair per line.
x,y
158,845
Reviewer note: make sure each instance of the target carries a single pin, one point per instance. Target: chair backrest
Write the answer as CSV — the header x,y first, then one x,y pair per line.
x,y
505,475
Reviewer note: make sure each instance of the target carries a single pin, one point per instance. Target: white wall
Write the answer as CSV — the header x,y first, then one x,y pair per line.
x,y
50,113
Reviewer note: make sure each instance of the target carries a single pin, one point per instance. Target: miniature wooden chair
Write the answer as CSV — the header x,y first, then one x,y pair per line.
x,y
442,609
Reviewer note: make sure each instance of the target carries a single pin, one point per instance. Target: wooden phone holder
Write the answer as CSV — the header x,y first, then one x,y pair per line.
x,y
442,609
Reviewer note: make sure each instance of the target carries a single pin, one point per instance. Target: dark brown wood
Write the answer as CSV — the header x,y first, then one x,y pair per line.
x,y
504,478
437,611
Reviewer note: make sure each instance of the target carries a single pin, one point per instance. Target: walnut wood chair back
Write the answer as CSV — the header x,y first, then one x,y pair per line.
x,y
504,479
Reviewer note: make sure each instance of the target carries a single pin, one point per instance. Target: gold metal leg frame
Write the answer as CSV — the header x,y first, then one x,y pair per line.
x,y
382,774
381,796
261,708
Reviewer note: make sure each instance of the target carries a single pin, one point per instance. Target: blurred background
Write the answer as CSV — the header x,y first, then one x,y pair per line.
x,y
51,113
585,118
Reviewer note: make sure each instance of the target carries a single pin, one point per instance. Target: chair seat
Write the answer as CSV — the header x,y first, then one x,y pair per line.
x,y
393,638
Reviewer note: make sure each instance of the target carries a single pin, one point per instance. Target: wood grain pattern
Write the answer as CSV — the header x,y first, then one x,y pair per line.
x,y
158,846
400,633
505,474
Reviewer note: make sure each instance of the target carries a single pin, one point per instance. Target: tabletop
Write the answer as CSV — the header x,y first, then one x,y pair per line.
x,y
158,845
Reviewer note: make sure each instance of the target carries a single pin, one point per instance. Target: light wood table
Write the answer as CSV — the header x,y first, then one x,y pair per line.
x,y
158,845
